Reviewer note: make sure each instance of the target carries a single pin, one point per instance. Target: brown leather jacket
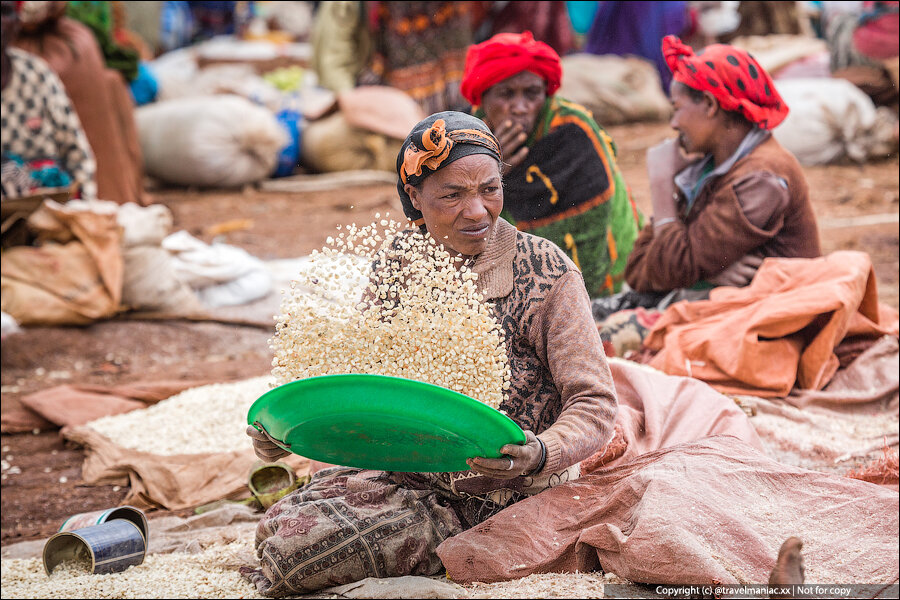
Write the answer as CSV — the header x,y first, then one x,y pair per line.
x,y
716,232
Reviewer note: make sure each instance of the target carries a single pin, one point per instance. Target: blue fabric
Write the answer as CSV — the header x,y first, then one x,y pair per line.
x,y
705,171
289,157
144,88
212,18
581,15
43,172
176,25
51,176
637,28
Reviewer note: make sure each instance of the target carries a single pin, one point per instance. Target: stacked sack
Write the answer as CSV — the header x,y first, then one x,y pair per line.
x,y
177,273
150,282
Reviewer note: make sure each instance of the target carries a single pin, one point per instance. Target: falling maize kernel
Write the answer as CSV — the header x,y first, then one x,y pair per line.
x,y
401,307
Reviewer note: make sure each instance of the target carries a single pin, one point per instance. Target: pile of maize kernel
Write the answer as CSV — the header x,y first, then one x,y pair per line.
x,y
205,419
418,316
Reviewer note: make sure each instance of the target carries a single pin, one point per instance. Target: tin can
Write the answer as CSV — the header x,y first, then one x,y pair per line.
x,y
109,547
129,513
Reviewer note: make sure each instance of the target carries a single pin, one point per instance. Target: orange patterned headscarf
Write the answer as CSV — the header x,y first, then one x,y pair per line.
x,y
437,141
436,146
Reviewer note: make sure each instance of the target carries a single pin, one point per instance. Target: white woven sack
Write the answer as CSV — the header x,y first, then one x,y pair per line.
x,y
830,120
151,284
144,225
209,141
220,274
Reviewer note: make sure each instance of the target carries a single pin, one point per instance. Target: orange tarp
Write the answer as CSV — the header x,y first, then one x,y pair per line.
x,y
779,332
713,510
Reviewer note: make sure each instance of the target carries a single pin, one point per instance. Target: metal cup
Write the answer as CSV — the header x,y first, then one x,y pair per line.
x,y
111,547
269,483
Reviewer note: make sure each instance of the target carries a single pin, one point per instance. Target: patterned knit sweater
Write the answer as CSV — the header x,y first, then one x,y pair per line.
x,y
561,384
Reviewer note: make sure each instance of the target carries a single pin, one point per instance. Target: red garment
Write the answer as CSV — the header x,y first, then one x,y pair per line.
x,y
548,22
505,55
877,38
730,74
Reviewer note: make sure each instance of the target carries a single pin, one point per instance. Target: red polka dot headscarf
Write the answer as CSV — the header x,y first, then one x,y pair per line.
x,y
730,74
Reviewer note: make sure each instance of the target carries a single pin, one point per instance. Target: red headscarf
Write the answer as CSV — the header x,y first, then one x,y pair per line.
x,y
505,55
730,74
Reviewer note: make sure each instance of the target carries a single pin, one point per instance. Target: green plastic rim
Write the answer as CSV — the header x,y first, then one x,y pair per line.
x,y
384,423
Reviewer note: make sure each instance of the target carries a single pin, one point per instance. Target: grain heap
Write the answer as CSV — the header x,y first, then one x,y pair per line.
x,y
419,316
209,418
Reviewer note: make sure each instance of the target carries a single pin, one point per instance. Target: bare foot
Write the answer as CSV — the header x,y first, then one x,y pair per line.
x,y
789,568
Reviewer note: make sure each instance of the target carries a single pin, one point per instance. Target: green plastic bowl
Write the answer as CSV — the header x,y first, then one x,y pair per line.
x,y
381,422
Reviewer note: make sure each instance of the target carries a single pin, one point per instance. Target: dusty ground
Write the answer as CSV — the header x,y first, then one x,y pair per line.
x,y
857,208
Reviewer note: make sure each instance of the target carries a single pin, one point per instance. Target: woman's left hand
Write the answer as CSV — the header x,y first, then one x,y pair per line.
x,y
740,273
518,460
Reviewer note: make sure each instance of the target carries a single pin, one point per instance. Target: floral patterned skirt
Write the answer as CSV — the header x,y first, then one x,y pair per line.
x,y
348,524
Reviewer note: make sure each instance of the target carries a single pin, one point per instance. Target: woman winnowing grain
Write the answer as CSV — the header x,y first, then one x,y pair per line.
x,y
348,524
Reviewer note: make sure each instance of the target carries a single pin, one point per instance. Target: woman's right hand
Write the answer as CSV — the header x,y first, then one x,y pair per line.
x,y
667,158
512,144
264,446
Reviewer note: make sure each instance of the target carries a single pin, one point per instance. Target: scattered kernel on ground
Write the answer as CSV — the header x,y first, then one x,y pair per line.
x,y
208,574
213,573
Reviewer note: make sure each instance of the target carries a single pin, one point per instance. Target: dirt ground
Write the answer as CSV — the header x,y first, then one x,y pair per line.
x,y
856,205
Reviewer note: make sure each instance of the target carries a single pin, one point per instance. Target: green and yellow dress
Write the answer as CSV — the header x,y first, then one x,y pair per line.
x,y
570,191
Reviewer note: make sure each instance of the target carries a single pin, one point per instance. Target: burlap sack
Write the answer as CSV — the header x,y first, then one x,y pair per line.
x,y
169,482
380,109
615,89
65,282
212,141
333,144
